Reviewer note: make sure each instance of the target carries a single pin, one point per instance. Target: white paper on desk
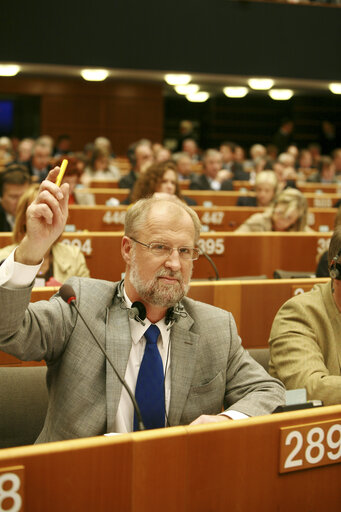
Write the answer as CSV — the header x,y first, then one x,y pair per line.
x,y
113,434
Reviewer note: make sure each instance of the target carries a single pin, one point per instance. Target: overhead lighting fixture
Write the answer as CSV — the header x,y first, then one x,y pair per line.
x,y
235,92
335,88
9,69
261,84
281,94
177,79
187,89
198,97
94,75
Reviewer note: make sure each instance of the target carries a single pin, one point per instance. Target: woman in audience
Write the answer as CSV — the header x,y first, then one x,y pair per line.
x,y
265,188
288,213
60,262
158,178
100,168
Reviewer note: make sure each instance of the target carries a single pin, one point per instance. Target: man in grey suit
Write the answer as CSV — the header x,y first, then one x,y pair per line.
x,y
207,375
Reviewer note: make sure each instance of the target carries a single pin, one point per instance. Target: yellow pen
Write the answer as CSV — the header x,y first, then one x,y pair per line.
x,y
61,172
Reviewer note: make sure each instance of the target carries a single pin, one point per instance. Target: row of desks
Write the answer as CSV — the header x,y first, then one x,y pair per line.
x,y
233,254
207,197
237,185
253,303
216,218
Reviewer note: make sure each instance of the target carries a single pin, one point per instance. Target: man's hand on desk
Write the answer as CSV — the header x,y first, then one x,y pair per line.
x,y
209,418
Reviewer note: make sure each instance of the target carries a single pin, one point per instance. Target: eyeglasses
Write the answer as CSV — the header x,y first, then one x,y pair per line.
x,y
160,249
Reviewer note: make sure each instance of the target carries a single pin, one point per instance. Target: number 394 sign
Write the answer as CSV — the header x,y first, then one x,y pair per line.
x,y
309,446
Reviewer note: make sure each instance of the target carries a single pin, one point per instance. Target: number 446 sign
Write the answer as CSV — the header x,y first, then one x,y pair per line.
x,y
12,489
309,446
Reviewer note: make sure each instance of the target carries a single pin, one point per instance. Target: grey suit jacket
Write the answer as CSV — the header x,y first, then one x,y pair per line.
x,y
209,368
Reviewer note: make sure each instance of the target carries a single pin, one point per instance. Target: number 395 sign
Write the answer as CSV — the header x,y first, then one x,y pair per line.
x,y
308,446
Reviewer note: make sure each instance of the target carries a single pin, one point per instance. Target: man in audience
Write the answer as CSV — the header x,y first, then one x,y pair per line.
x,y
305,336
13,183
190,147
39,164
199,371
183,165
227,150
213,176
143,158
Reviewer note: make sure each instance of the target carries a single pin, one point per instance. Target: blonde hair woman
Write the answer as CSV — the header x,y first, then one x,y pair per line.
x,y
289,212
265,187
60,262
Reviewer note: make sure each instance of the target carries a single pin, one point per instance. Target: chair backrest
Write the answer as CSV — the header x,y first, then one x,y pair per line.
x,y
23,404
261,355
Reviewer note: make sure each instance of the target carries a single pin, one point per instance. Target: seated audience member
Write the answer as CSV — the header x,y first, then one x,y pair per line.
x,y
158,178
227,150
190,147
186,131
337,163
283,178
213,176
39,164
305,336
209,377
288,212
14,181
6,152
162,155
25,150
61,261
326,174
265,189
183,166
104,144
141,158
73,176
257,153
63,145
99,168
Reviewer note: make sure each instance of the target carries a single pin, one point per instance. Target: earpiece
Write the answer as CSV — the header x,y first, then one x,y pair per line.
x,y
335,268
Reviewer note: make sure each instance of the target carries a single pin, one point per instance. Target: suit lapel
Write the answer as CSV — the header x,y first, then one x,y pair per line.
x,y
118,346
183,359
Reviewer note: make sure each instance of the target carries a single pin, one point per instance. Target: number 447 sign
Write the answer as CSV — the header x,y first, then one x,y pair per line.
x,y
12,489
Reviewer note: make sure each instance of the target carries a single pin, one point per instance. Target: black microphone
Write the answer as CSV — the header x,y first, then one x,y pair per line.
x,y
138,312
68,295
209,259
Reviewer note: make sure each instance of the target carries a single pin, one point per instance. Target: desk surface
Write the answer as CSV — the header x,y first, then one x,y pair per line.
x,y
235,465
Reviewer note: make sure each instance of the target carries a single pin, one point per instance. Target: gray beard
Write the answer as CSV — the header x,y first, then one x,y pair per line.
x,y
156,292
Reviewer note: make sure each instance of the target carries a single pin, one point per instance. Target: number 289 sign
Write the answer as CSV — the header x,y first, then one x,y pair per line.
x,y
12,489
308,446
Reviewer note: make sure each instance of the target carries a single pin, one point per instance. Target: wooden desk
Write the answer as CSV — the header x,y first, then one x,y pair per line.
x,y
253,303
234,254
233,465
217,218
210,198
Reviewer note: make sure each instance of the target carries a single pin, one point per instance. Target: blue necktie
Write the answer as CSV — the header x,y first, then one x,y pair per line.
x,y
149,391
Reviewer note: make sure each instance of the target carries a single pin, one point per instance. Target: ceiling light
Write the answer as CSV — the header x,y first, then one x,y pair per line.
x,y
94,75
9,69
261,84
172,79
281,94
187,89
335,88
235,92
198,97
